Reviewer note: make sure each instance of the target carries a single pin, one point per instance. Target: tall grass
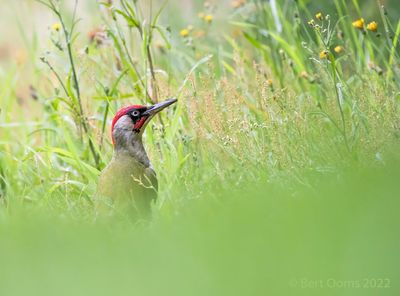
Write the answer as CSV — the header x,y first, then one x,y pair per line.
x,y
262,101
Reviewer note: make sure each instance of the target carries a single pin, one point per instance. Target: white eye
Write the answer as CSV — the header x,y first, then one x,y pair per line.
x,y
135,113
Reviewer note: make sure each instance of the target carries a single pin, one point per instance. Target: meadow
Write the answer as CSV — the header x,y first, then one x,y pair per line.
x,y
278,168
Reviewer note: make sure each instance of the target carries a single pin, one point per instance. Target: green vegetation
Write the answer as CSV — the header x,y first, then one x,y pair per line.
x,y
277,169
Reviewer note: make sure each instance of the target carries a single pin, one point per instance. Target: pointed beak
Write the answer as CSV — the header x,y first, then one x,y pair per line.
x,y
152,110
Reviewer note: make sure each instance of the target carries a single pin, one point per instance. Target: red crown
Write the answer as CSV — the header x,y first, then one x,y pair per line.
x,y
120,113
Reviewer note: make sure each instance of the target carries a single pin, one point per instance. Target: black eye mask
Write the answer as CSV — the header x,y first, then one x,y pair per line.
x,y
137,117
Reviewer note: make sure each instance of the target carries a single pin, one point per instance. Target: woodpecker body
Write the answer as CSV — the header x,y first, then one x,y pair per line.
x,y
129,183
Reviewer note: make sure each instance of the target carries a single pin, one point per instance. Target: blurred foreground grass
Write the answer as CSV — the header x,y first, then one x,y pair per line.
x,y
337,238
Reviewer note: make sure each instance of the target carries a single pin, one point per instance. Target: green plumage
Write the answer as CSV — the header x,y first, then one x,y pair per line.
x,y
126,186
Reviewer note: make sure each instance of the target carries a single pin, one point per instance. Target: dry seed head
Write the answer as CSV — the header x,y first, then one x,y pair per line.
x,y
303,74
238,3
384,10
97,36
199,34
20,57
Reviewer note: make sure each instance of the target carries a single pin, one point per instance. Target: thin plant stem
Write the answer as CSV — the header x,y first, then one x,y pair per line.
x,y
68,41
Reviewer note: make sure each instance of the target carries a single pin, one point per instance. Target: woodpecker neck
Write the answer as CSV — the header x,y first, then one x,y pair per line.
x,y
135,150
129,143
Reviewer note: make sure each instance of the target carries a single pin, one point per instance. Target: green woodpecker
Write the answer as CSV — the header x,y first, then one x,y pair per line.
x,y
129,183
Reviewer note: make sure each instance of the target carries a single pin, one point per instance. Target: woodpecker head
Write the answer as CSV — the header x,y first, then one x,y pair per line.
x,y
129,122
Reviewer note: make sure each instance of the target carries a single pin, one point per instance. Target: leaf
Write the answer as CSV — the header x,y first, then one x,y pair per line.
x,y
289,50
229,68
131,21
155,20
243,25
162,34
254,42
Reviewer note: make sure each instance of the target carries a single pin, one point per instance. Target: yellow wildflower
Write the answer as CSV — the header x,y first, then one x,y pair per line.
x,y
269,82
208,18
56,27
372,26
338,49
319,16
359,24
311,22
184,33
323,54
